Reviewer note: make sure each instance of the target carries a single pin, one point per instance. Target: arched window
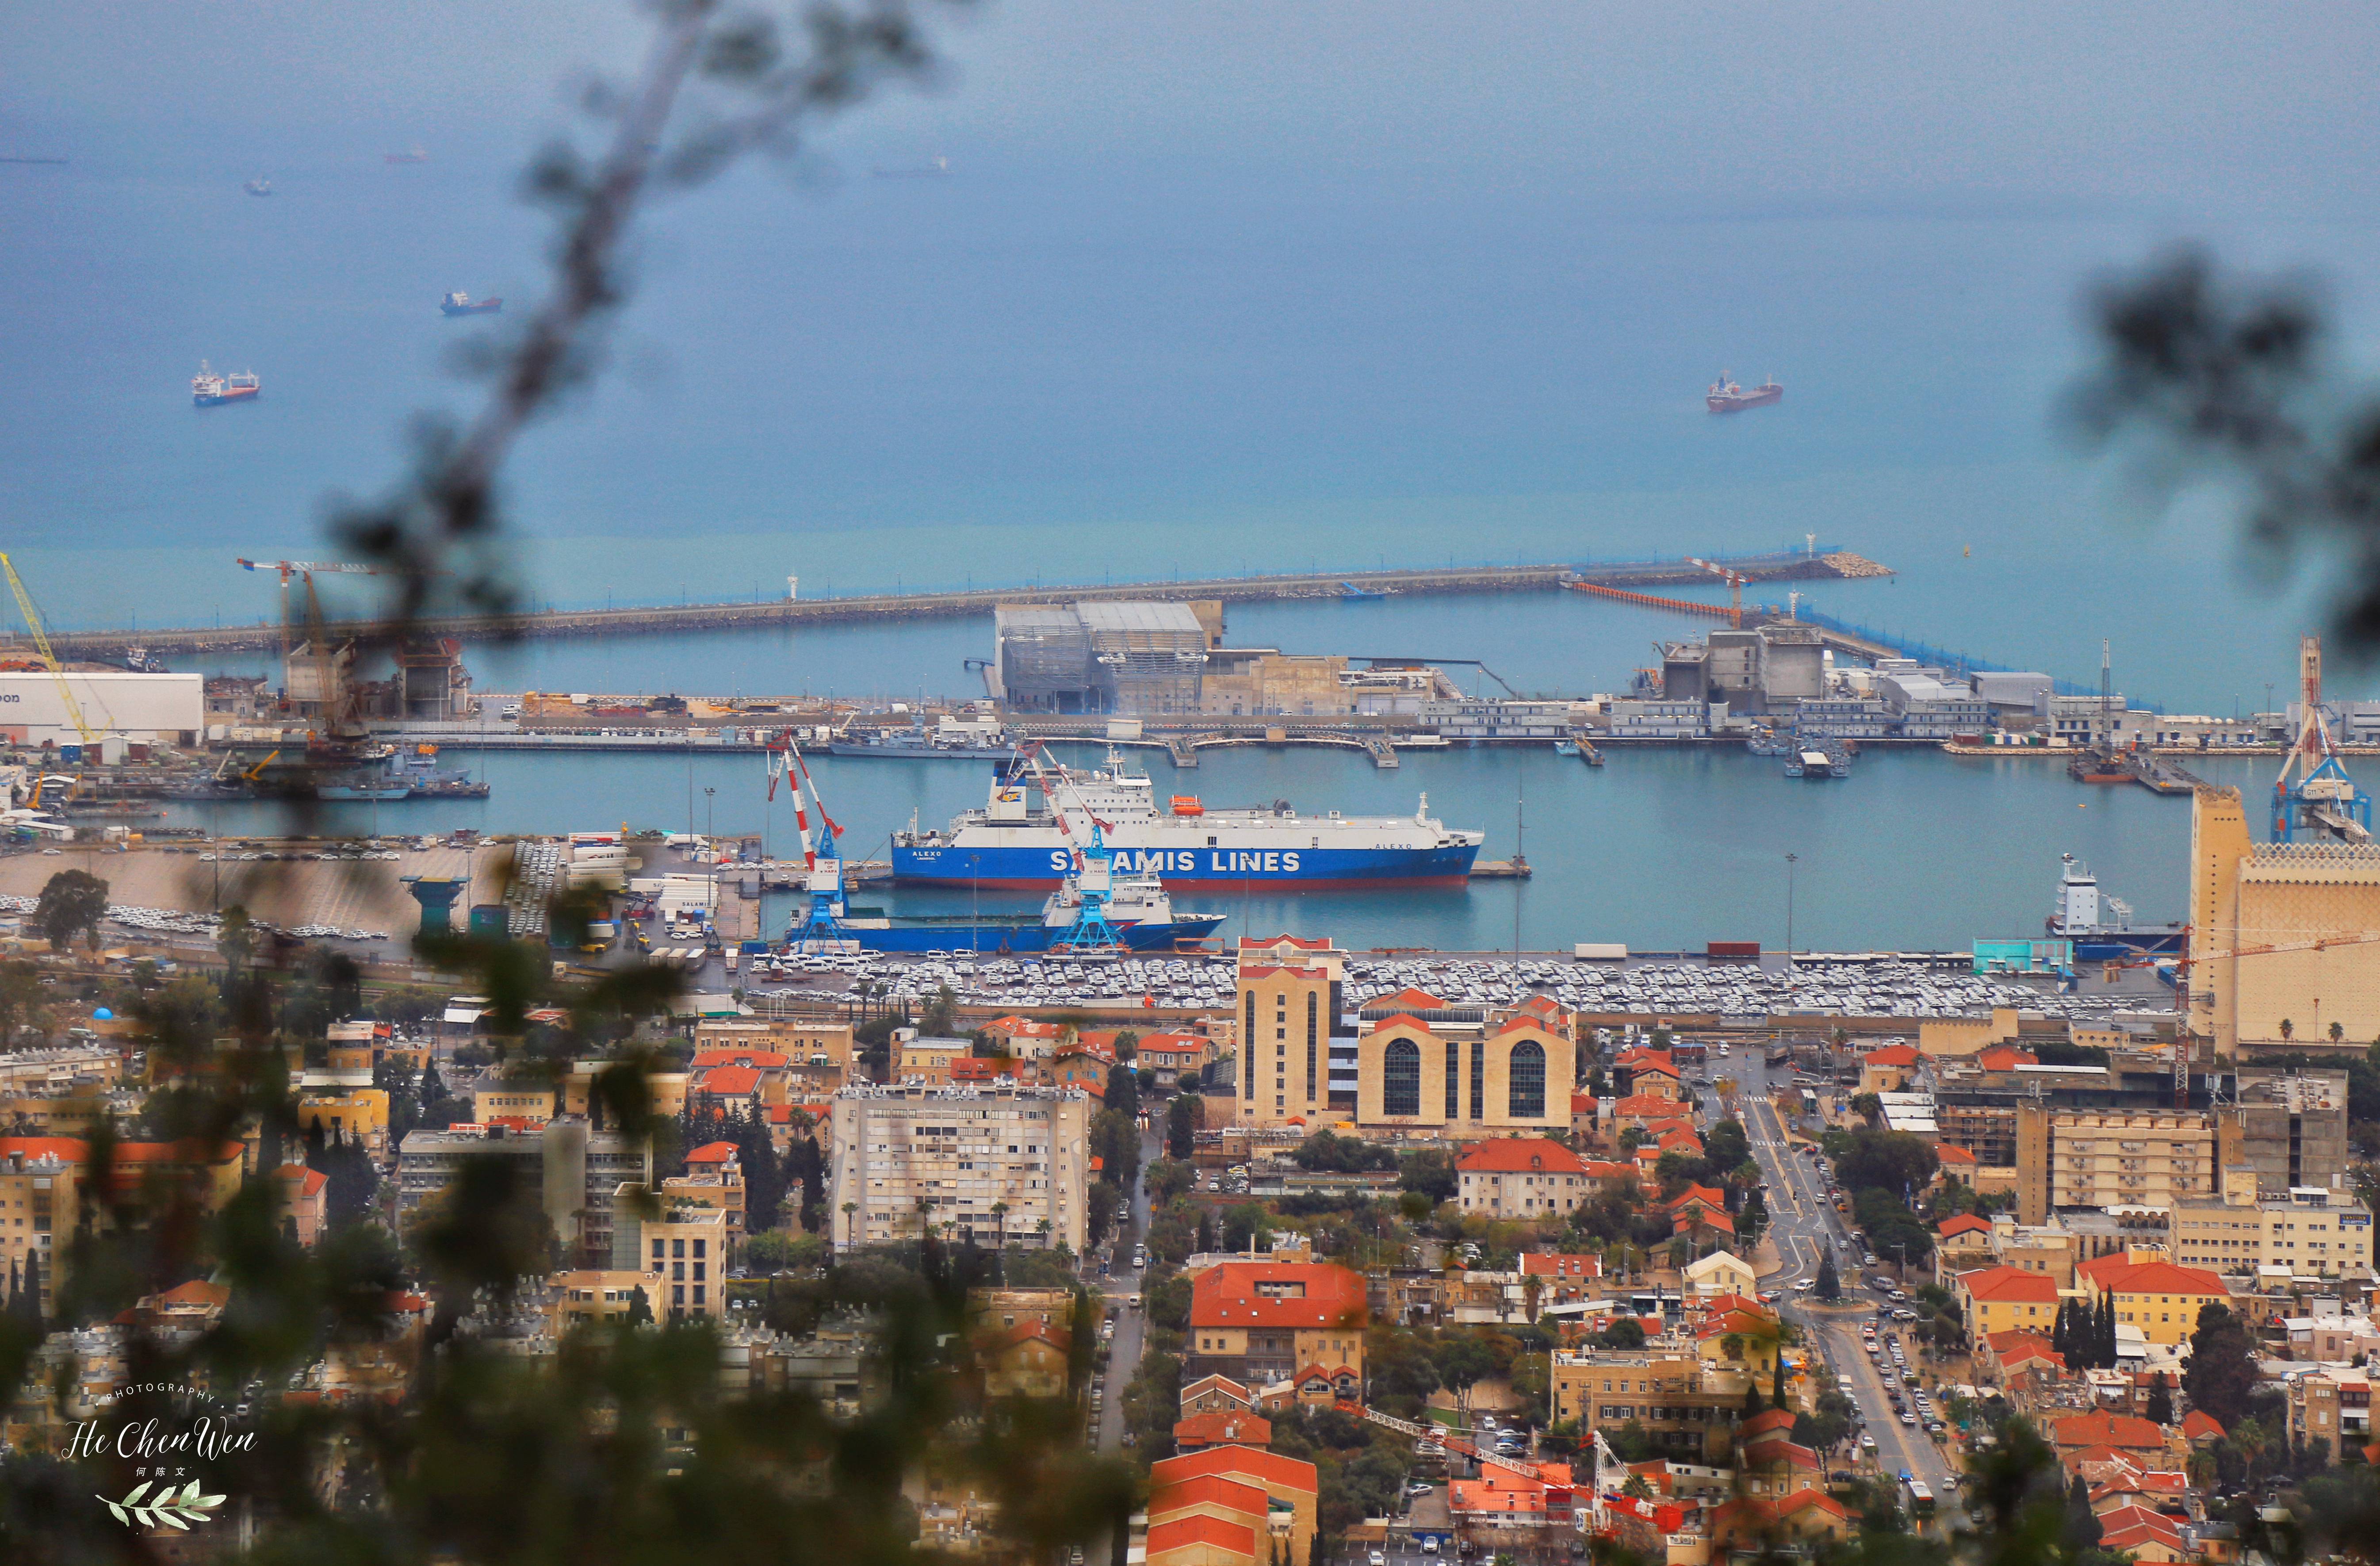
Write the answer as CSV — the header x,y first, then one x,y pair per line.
x,y
1524,1092
1400,1078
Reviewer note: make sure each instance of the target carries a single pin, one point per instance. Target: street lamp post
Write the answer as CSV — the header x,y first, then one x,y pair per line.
x,y
1790,860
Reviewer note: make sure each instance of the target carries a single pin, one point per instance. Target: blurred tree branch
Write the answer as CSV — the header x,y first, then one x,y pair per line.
x,y
2225,376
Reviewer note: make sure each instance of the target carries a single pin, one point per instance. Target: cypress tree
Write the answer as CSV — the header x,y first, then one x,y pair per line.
x,y
1777,1386
32,1299
2107,1332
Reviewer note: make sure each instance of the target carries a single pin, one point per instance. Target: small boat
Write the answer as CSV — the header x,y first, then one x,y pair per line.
x,y
260,186
210,390
1565,747
460,303
410,155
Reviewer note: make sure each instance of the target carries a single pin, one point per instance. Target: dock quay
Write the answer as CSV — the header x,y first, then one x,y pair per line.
x,y
661,619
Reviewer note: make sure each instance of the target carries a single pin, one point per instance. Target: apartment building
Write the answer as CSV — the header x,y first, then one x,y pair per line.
x,y
910,1155
38,1181
1687,1405
690,1245
1288,1011
2311,1231
806,1042
571,1171
2001,1299
2112,1158
2332,1405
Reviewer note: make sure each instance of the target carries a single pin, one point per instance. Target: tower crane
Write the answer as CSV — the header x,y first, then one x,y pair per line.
x,y
1734,580
333,697
49,657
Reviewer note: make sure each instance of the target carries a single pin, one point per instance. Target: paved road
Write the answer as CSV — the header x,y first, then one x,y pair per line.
x,y
1806,1226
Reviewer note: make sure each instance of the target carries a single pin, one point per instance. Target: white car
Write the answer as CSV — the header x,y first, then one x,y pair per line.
x,y
1429,1545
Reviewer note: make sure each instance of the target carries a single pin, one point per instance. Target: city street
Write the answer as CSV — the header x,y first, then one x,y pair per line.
x,y
1804,1226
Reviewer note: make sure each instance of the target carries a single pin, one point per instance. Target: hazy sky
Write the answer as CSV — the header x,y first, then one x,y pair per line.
x,y
2156,105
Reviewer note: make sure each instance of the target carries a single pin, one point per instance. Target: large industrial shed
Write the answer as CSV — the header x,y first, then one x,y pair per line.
x,y
159,708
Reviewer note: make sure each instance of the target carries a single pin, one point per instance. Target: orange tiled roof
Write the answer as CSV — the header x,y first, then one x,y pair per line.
x,y
1996,1284
2103,1429
1519,1155
1239,1293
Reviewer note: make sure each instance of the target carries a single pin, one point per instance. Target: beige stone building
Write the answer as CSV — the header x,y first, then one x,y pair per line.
x,y
1465,1079
2312,1232
910,1155
928,1060
2112,1158
1286,1007
2284,937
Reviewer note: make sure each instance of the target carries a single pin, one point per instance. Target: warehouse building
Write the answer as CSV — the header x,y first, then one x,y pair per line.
x,y
153,708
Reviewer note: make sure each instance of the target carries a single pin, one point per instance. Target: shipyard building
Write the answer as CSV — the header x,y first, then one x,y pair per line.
x,y
150,708
1148,658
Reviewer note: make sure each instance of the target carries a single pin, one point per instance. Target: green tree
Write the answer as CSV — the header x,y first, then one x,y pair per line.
x,y
1831,1285
1182,1120
72,902
1430,1174
2160,1400
2222,1370
640,1308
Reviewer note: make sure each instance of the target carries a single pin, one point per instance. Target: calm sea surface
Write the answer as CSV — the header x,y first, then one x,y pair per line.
x,y
1036,374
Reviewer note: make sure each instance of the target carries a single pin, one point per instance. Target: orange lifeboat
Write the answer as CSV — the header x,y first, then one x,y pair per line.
x,y
1186,805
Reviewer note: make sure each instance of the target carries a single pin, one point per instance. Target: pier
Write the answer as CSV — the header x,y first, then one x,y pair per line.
x,y
667,619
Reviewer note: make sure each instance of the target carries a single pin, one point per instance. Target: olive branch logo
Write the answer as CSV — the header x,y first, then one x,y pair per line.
x,y
174,1511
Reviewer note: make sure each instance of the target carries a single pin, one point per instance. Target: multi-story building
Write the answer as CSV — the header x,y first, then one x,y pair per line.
x,y
2313,1233
1520,1177
2332,1405
2159,1298
512,1104
359,1115
1688,1405
2279,934
908,1155
2288,1127
572,1173
927,1060
2093,1158
38,1180
1490,1078
806,1042
1260,1322
596,1295
713,1177
1288,1013
2001,1299
688,1246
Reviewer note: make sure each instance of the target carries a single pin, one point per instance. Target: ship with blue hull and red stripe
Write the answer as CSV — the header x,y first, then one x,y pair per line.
x,y
1018,841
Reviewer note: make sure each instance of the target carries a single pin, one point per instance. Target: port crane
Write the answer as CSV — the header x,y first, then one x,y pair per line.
x,y
2314,792
49,657
1092,881
821,927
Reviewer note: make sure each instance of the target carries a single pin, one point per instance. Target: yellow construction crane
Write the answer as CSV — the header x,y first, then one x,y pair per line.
x,y
49,658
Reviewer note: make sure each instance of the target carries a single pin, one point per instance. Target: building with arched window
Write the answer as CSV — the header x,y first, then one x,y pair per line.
x,y
1465,1079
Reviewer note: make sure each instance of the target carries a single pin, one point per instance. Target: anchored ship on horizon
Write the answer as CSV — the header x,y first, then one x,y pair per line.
x,y
1726,397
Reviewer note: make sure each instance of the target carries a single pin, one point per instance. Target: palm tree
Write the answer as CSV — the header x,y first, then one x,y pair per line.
x,y
1000,1233
2287,1027
850,1223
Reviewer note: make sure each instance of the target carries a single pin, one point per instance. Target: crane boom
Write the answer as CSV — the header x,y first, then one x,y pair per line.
x,y
49,658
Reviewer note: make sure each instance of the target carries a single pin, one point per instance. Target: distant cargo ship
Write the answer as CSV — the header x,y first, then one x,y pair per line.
x,y
260,186
460,303
1726,397
1016,843
410,155
210,390
2101,927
